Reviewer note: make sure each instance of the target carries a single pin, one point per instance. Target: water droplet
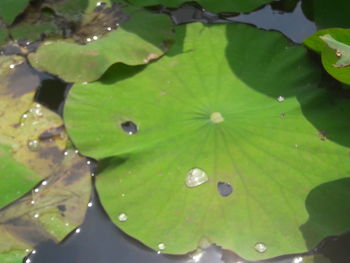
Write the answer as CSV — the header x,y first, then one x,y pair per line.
x,y
225,189
65,153
88,162
95,37
129,127
90,204
100,3
36,215
197,255
161,246
298,260
280,99
36,190
28,260
33,145
92,174
109,28
44,183
78,230
88,39
338,53
122,217
12,66
27,250
34,251
260,247
32,202
216,117
76,151
196,177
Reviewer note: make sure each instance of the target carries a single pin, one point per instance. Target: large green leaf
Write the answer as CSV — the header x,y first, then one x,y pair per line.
x,y
241,104
329,14
32,146
210,5
11,9
142,38
333,44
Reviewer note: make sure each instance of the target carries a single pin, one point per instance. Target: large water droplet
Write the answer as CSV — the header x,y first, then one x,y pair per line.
x,y
225,189
122,217
216,117
129,127
33,145
260,247
196,177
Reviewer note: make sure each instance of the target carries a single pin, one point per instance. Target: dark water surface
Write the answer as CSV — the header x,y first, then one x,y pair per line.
x,y
99,240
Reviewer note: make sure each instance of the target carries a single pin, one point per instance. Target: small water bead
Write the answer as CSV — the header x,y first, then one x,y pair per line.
x,y
44,183
196,256
34,251
129,127
280,99
33,145
161,246
36,190
90,204
109,28
196,177
88,162
122,217
95,37
32,202
216,117
298,260
12,66
260,247
78,230
28,260
36,215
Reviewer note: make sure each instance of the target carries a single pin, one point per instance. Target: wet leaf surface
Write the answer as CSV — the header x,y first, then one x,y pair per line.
x,y
32,152
333,45
103,39
255,118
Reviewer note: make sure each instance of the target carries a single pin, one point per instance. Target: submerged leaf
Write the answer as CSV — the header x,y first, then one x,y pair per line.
x,y
221,110
212,6
143,37
32,145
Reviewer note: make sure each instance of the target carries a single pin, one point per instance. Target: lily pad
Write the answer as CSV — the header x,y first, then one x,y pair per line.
x,y
11,9
224,110
333,45
328,14
143,37
32,146
212,6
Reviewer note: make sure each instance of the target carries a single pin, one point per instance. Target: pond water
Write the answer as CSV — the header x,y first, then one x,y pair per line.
x,y
99,240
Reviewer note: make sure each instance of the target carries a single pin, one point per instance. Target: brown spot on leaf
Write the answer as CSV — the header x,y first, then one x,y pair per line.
x,y
23,80
323,135
53,153
52,133
150,57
